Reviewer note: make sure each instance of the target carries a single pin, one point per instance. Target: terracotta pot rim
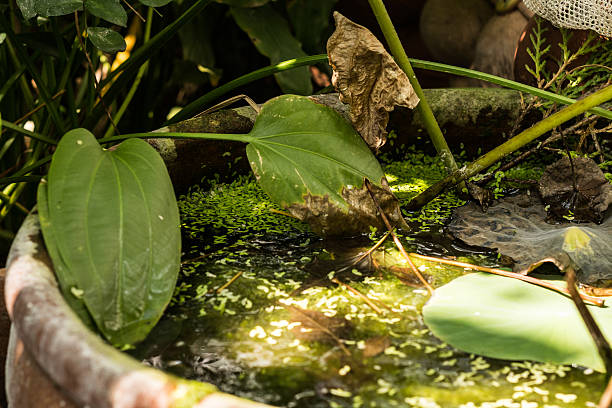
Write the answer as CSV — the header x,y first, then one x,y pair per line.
x,y
89,371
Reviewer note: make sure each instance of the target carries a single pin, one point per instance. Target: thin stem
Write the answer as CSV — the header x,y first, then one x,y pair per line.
x,y
363,297
178,135
396,240
136,83
93,71
205,100
397,50
512,145
19,129
501,272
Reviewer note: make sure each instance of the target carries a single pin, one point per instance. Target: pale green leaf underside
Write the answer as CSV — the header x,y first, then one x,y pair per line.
x,y
509,319
113,224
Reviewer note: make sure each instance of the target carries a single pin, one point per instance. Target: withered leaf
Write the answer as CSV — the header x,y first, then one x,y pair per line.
x,y
376,345
367,78
592,196
315,326
516,227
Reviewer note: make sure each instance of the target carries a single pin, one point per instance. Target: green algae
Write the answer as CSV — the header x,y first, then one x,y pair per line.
x,y
245,338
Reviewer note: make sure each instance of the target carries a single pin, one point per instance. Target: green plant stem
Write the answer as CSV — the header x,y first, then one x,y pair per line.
x,y
136,83
17,179
19,129
397,50
245,138
205,100
512,145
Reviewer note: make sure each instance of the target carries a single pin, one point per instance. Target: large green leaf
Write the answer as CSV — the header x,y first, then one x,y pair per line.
x,y
106,39
312,162
510,319
155,3
270,33
110,221
109,10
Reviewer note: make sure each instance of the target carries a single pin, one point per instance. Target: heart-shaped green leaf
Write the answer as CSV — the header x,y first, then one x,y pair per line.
x,y
106,39
312,162
110,221
510,319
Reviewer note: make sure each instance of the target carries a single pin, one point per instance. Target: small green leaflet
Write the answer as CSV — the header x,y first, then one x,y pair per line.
x,y
110,222
510,319
106,39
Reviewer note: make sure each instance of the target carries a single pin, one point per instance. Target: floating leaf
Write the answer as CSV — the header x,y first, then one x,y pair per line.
x,y
110,221
272,37
312,162
367,78
106,39
593,195
510,319
516,227
109,10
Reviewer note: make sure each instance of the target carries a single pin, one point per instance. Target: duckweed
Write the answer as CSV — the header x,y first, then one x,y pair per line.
x,y
256,313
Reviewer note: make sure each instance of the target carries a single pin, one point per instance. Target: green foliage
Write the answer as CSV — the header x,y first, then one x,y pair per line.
x,y
106,39
300,147
510,319
110,222
271,35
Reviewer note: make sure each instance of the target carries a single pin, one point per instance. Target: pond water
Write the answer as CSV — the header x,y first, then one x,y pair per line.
x,y
266,310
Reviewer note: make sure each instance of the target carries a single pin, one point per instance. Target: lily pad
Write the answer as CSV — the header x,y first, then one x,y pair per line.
x,y
313,163
510,319
517,227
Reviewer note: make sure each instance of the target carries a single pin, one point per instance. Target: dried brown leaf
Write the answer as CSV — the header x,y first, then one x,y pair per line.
x,y
367,78
315,326
376,345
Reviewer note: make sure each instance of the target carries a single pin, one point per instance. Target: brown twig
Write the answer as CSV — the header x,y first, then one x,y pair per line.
x,y
363,297
229,282
606,398
285,213
603,347
134,10
368,252
93,72
323,328
596,301
396,240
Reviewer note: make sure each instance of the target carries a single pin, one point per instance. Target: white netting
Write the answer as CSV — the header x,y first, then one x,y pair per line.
x,y
593,15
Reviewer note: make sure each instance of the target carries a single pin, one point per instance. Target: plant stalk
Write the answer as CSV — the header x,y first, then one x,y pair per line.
x,y
512,145
398,52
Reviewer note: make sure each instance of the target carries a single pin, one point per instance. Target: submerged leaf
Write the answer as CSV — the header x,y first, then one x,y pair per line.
x,y
110,222
367,78
315,326
593,195
506,318
310,161
516,227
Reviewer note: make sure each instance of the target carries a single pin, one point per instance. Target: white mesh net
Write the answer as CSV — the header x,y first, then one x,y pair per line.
x,y
593,15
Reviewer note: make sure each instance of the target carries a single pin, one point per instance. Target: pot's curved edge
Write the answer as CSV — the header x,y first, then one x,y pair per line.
x,y
89,371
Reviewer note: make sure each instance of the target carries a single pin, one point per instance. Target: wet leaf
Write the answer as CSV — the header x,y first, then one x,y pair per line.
x,y
592,198
106,39
48,8
28,8
506,318
516,227
110,221
315,326
367,78
270,33
109,10
313,163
